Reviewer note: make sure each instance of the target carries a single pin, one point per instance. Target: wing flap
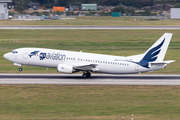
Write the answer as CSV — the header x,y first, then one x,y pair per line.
x,y
89,67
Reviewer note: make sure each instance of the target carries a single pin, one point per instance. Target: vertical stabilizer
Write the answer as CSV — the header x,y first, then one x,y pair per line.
x,y
158,50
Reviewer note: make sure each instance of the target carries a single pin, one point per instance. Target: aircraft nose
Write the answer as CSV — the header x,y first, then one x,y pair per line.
x,y
6,56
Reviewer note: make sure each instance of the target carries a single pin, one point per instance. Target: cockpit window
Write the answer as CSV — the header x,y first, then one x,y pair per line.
x,y
14,51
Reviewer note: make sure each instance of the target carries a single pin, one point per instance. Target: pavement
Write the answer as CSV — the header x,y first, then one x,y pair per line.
x,y
95,79
95,27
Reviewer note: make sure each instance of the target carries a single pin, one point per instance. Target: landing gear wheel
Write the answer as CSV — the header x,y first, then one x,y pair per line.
x,y
86,75
20,69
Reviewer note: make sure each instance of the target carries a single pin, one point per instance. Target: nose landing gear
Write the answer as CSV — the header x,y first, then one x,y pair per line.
x,y
20,69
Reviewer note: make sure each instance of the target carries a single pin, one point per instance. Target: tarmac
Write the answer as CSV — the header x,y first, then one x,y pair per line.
x,y
95,79
94,27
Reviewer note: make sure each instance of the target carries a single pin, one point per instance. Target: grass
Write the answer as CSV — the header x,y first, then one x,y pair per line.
x,y
89,102
84,102
93,21
125,42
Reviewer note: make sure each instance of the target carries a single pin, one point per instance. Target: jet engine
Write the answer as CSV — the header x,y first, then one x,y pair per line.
x,y
64,68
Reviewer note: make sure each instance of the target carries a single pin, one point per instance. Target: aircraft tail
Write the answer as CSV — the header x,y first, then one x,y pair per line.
x,y
156,53
158,50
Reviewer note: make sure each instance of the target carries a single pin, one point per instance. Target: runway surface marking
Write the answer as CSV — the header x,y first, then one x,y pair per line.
x,y
94,27
96,79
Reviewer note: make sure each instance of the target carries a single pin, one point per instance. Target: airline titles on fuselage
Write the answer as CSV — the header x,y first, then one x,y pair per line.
x,y
59,56
53,56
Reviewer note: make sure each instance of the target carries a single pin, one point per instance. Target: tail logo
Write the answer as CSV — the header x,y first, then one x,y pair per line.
x,y
151,55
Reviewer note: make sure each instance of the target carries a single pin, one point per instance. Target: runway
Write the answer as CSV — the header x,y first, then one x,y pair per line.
x,y
93,27
95,79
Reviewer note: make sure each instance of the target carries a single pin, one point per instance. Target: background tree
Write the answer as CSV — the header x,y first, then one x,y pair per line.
x,y
119,8
177,5
148,12
112,2
132,3
130,10
21,5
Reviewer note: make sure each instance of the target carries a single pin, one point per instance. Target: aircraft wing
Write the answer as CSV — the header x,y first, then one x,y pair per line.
x,y
87,67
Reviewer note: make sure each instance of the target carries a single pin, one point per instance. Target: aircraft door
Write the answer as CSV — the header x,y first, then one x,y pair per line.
x,y
137,67
25,55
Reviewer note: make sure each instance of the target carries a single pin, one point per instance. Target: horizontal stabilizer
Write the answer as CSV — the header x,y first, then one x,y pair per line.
x,y
163,62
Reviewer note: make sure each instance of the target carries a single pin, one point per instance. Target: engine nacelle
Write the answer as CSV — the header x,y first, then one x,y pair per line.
x,y
64,68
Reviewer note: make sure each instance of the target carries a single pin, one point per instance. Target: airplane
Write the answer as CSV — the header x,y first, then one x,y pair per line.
x,y
72,62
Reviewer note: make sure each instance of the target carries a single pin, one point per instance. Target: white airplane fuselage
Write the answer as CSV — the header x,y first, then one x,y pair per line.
x,y
71,62
50,58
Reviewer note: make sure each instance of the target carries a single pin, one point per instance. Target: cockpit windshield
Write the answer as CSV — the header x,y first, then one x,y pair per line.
x,y
14,51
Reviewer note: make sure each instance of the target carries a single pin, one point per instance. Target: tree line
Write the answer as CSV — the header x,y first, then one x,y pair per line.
x,y
21,5
133,3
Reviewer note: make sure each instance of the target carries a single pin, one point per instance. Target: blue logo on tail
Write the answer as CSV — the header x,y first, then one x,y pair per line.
x,y
151,55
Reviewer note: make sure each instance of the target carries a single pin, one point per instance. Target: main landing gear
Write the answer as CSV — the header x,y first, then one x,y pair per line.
x,y
20,69
86,74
